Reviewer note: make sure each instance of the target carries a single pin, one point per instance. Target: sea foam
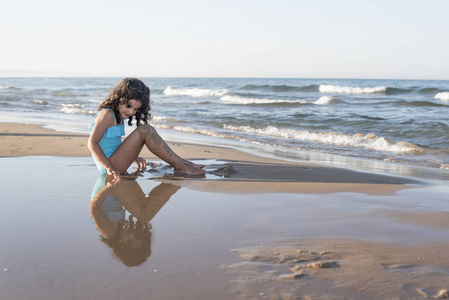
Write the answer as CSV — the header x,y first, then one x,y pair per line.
x,y
246,101
325,100
369,141
207,132
76,109
40,102
351,90
162,119
444,96
171,91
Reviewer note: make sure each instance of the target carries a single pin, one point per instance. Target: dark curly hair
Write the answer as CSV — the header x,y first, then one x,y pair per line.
x,y
125,252
127,89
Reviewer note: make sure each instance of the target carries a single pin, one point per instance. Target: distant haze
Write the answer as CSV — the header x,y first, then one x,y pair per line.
x,y
218,38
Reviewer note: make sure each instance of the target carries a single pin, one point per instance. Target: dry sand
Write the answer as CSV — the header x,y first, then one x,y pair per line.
x,y
298,268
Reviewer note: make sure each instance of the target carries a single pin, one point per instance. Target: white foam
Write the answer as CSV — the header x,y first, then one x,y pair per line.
x,y
246,101
76,109
203,132
351,90
325,100
369,141
95,101
4,87
171,91
162,119
40,102
68,105
444,96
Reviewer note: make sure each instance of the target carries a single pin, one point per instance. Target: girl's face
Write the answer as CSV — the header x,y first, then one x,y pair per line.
x,y
129,109
128,236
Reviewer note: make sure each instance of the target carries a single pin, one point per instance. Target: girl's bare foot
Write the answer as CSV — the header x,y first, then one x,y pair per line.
x,y
189,168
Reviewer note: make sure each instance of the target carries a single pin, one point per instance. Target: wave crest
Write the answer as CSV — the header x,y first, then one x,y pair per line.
x,y
246,101
444,96
40,102
429,90
336,89
369,141
196,92
325,100
162,119
281,88
204,132
76,109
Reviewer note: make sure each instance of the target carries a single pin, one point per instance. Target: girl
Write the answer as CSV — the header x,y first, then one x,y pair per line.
x,y
130,99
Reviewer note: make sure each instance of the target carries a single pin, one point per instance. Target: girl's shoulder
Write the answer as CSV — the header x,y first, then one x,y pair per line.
x,y
106,115
104,119
105,111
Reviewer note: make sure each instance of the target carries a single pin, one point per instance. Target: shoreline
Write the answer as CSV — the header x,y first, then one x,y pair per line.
x,y
253,174
73,144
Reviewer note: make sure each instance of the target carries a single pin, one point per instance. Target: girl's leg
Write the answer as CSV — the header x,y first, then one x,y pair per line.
x,y
145,134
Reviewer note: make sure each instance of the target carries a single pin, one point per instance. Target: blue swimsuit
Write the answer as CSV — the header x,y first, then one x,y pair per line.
x,y
111,207
110,141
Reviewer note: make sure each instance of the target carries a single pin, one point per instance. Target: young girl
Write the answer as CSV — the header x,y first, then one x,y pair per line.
x,y
130,99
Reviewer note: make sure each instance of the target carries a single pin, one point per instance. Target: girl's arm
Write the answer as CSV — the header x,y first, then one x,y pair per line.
x,y
103,121
106,228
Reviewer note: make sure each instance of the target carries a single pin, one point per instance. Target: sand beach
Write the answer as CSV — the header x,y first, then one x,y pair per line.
x,y
253,228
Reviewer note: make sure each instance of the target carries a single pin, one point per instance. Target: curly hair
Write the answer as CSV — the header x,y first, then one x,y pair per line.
x,y
128,256
127,89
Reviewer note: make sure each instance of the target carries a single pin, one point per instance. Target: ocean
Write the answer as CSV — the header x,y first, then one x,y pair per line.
x,y
399,122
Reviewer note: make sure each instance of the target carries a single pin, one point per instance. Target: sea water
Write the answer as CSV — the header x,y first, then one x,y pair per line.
x,y
402,122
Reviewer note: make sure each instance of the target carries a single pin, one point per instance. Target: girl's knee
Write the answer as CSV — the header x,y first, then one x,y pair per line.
x,y
145,129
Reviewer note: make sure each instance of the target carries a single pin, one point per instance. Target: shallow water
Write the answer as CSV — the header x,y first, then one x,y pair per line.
x,y
52,250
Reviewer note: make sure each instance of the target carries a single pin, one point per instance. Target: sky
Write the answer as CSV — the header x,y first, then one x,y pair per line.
x,y
389,39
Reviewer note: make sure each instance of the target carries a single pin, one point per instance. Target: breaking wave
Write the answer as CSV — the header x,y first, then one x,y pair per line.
x,y
196,92
369,141
40,102
246,101
76,109
281,88
336,89
444,96
326,100
162,119
204,132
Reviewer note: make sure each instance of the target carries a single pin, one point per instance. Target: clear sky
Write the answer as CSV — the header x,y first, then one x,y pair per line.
x,y
226,38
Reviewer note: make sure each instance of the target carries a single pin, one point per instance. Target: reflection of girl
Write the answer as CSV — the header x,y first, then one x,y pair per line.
x,y
130,240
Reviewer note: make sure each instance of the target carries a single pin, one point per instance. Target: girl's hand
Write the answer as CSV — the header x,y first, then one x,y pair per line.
x,y
115,173
141,163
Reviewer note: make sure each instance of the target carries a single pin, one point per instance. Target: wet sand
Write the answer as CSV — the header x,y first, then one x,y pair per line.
x,y
263,229
253,173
